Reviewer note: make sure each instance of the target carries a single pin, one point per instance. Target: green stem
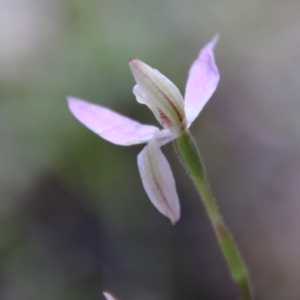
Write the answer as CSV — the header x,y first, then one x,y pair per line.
x,y
191,159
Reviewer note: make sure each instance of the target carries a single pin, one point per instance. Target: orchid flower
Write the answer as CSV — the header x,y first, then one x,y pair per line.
x,y
174,114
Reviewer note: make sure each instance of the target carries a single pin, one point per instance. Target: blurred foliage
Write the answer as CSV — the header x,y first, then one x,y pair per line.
x,y
74,219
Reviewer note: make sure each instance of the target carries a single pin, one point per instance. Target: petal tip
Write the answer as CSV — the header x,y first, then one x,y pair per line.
x,y
130,60
174,220
134,63
69,99
108,296
175,216
207,50
214,41
72,101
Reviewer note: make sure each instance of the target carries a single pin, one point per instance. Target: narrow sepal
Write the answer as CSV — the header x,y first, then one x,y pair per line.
x,y
110,125
202,81
158,181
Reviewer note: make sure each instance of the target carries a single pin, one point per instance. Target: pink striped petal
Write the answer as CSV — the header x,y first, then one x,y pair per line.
x,y
158,181
110,125
202,81
108,296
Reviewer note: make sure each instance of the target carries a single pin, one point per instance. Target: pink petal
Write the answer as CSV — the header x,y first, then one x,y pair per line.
x,y
108,296
202,81
158,181
110,125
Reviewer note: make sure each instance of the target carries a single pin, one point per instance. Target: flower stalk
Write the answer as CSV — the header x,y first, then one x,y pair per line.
x,y
190,156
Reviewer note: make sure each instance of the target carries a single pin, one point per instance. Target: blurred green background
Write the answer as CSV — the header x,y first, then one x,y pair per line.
x,y
74,218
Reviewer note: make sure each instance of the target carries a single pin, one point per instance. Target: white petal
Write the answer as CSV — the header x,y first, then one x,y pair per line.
x,y
108,296
158,181
160,95
110,125
202,82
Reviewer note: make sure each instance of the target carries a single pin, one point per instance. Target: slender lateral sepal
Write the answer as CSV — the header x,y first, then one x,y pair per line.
x,y
190,156
158,181
110,125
